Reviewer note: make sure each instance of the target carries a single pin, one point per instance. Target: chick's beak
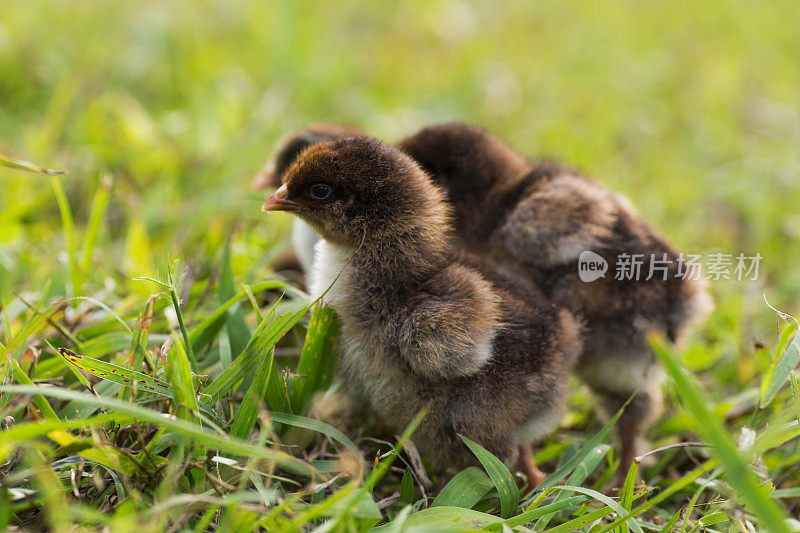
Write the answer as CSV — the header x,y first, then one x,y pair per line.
x,y
279,202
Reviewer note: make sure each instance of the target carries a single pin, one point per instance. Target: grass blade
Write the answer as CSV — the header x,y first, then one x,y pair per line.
x,y
40,401
179,373
627,491
407,489
786,359
98,211
576,523
465,489
546,510
739,471
19,164
68,226
689,509
138,348
277,395
671,523
445,519
318,426
246,416
317,363
174,282
500,476
74,369
117,374
236,328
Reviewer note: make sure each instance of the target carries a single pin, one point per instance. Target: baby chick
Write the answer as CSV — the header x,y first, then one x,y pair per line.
x,y
535,219
423,324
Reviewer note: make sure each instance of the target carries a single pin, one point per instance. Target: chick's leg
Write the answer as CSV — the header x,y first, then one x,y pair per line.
x,y
639,414
614,380
527,465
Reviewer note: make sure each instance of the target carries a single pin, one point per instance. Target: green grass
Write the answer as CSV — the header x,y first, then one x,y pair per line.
x,y
160,113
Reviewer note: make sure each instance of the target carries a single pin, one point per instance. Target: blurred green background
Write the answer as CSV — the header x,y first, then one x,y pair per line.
x,y
692,109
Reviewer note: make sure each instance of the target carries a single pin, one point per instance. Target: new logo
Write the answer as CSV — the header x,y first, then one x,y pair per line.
x,y
591,266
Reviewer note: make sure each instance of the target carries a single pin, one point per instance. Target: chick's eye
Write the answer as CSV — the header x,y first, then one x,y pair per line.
x,y
319,191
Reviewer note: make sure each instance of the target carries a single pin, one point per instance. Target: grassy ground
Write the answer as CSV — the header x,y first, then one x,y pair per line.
x,y
161,112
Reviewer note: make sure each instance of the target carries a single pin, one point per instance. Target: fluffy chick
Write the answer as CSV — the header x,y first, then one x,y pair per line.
x,y
424,325
535,218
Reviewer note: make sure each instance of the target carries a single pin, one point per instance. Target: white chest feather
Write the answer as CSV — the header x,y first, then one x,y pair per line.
x,y
330,263
304,239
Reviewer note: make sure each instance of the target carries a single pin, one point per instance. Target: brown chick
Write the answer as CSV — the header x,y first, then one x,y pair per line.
x,y
535,219
424,325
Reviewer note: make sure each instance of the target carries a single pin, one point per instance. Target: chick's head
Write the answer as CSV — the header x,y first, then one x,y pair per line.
x,y
352,189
